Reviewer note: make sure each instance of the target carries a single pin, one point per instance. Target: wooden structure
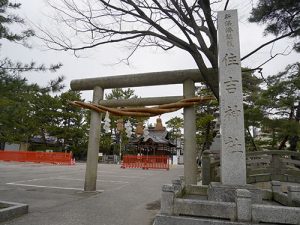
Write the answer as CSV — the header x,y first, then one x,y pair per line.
x,y
157,142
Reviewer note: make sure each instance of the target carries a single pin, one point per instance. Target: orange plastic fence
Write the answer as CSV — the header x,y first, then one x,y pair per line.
x,y
38,157
146,162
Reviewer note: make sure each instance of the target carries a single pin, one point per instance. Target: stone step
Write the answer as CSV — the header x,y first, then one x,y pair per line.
x,y
203,208
180,220
196,190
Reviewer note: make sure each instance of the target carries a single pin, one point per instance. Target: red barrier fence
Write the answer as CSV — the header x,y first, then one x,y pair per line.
x,y
145,162
38,157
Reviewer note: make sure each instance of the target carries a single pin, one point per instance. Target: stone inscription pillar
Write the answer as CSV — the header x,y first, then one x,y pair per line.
x,y
233,158
190,154
93,146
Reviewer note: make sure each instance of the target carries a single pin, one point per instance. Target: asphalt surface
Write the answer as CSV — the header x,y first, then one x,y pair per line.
x,y
55,196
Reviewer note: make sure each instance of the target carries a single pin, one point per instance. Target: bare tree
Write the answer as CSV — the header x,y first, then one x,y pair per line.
x,y
186,24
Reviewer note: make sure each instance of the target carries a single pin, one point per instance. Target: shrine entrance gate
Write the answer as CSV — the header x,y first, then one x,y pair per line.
x,y
98,85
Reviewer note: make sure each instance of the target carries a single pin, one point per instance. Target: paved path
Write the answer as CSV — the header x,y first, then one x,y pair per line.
x,y
54,194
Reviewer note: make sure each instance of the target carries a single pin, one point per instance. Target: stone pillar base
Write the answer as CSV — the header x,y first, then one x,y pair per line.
x,y
226,193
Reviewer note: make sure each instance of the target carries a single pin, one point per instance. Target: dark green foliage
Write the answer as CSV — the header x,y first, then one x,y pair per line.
x,y
175,125
72,126
204,120
272,110
7,20
279,104
110,142
280,17
28,110
15,119
120,93
252,113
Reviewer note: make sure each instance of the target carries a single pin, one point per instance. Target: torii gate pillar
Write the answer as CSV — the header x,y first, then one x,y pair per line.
x,y
190,153
93,146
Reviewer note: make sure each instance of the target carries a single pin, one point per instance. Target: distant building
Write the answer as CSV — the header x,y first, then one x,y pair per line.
x,y
49,140
157,142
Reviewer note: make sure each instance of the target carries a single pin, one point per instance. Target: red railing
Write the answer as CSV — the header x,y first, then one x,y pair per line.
x,y
38,157
145,162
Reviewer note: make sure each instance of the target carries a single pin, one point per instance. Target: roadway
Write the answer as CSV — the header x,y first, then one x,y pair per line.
x,y
55,196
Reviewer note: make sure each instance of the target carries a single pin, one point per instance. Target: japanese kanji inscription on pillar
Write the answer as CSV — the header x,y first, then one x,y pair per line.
x,y
233,159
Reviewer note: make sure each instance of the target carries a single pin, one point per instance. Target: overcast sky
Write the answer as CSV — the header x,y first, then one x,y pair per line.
x,y
101,61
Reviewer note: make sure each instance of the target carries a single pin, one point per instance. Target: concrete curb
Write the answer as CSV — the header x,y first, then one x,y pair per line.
x,y
12,210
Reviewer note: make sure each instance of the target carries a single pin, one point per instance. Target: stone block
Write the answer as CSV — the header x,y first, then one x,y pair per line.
x,y
294,189
297,179
167,200
296,203
267,194
197,190
181,178
177,185
226,193
11,210
203,208
243,205
180,220
262,178
280,197
291,179
250,179
206,170
280,177
168,188
293,194
276,186
275,214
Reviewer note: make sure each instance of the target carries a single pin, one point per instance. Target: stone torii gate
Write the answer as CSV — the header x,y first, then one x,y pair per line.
x,y
98,85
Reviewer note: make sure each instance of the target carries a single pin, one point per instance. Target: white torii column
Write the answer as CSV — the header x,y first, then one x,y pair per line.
x,y
90,183
189,117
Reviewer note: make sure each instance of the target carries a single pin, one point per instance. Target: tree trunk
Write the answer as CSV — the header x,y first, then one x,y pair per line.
x,y
285,139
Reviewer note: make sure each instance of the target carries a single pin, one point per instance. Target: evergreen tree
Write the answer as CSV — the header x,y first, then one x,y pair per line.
x,y
7,20
16,121
17,97
110,142
281,18
280,105
121,93
72,127
175,125
204,120
253,114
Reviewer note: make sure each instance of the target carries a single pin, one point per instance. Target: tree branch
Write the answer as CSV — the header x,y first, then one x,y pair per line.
x,y
226,4
269,42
